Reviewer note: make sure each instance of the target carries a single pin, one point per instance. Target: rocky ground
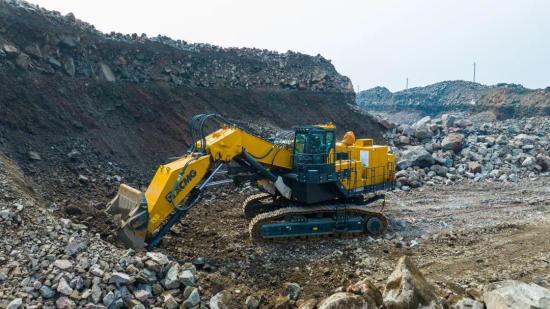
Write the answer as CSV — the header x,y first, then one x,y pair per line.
x,y
463,238
453,149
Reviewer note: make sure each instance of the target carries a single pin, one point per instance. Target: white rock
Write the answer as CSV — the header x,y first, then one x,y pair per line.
x,y
96,270
64,302
107,72
407,288
171,280
63,264
515,294
342,300
468,303
187,278
121,278
158,258
219,301
170,302
63,287
528,161
14,304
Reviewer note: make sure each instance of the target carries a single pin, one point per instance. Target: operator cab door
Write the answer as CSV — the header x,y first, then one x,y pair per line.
x,y
313,156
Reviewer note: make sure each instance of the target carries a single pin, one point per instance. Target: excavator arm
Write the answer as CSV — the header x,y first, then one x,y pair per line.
x,y
145,217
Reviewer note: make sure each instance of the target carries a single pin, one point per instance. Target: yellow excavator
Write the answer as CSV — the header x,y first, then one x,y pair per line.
x,y
309,183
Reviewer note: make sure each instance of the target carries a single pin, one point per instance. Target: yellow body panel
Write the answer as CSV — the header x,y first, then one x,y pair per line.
x,y
226,143
159,192
369,164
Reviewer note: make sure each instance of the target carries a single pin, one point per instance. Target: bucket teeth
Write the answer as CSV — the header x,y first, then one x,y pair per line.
x,y
129,210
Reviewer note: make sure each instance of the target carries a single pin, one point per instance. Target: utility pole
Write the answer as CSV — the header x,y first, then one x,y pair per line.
x,y
474,72
358,89
407,83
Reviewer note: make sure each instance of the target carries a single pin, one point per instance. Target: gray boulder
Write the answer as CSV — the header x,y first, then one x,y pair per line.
x,y
171,280
220,300
415,156
407,288
193,299
293,290
515,294
422,122
453,142
448,120
14,304
63,287
422,132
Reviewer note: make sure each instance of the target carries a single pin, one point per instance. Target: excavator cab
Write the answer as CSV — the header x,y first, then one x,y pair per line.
x,y
313,145
313,156
313,167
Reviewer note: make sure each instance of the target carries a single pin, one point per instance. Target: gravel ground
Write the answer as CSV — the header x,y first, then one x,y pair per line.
x,y
461,236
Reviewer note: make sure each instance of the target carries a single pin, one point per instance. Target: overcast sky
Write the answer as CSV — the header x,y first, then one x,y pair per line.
x,y
375,43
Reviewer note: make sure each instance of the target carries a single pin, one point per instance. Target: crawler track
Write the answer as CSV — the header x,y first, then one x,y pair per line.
x,y
290,211
251,204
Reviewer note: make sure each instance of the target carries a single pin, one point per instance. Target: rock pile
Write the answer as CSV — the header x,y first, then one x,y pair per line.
x,y
72,48
47,262
451,148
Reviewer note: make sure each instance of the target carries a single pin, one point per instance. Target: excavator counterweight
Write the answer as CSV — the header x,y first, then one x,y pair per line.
x,y
312,185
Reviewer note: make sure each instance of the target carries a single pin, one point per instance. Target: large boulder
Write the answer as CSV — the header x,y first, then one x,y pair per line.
x,y
448,120
422,132
408,289
415,156
515,294
367,289
543,161
453,142
422,122
342,300
220,301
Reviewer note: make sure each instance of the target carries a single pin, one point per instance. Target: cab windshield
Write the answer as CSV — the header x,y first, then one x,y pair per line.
x,y
313,147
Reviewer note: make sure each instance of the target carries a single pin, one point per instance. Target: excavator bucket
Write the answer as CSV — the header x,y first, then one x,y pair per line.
x,y
129,210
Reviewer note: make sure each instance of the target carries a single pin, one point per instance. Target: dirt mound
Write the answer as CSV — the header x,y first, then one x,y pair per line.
x,y
504,100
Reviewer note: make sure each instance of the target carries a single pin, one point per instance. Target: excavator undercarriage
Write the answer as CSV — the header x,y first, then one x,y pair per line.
x,y
310,185
272,220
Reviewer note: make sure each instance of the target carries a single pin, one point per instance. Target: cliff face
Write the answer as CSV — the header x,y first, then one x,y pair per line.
x,y
504,100
128,99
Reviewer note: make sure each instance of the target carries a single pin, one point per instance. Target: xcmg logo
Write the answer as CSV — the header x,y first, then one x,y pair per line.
x,y
182,184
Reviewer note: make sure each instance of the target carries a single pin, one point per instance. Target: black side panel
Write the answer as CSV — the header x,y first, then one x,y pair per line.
x,y
311,193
